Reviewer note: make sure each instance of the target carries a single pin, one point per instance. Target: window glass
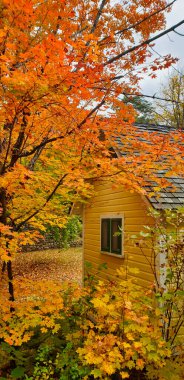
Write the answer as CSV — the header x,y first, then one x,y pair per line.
x,y
111,235
116,225
105,235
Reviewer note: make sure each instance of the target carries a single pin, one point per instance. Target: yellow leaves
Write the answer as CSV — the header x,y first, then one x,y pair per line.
x,y
108,368
157,312
124,375
100,303
129,336
137,345
121,336
65,88
125,345
113,332
96,373
37,304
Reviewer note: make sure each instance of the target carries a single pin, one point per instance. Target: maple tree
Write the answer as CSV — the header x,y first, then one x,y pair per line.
x,y
63,66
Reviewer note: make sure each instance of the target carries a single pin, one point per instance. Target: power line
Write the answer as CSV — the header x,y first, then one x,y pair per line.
x,y
146,42
133,26
153,97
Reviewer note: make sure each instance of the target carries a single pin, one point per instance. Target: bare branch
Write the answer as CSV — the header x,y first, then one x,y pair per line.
x,y
10,127
179,34
146,42
161,56
20,139
35,158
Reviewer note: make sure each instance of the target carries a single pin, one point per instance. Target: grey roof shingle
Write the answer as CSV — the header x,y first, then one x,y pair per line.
x,y
173,196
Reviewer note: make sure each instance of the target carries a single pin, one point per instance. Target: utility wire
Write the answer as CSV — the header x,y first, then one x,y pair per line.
x,y
153,97
146,42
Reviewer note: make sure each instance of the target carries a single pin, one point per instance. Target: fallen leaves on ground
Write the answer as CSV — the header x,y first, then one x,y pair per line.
x,y
52,264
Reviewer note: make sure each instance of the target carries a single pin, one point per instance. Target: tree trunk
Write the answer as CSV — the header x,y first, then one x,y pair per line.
x,y
10,283
8,265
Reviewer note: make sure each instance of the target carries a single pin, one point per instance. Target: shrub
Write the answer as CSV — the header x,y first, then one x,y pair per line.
x,y
166,242
103,329
69,234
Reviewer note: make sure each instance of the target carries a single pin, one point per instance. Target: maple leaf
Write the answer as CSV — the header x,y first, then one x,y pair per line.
x,y
57,96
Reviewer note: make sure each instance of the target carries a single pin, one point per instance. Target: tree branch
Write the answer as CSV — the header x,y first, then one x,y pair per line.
x,y
10,126
98,16
146,18
179,34
146,42
133,26
20,139
41,208
45,142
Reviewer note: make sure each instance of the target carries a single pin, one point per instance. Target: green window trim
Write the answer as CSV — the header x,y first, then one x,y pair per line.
x,y
111,235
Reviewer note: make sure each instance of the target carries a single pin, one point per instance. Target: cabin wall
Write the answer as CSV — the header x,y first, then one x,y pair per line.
x,y
134,208
115,201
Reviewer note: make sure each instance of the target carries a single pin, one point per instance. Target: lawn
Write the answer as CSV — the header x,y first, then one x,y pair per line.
x,y
51,264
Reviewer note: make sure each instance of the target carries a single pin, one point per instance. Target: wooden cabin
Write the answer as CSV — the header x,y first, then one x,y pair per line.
x,y
112,216
109,220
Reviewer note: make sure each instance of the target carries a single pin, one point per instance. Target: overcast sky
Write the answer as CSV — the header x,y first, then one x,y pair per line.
x,y
171,43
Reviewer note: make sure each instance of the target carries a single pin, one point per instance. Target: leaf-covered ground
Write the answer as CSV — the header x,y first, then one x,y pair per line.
x,y
51,264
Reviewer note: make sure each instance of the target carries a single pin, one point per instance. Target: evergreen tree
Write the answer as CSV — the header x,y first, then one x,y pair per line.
x,y
144,109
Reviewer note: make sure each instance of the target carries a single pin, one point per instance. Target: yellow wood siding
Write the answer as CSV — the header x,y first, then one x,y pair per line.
x,y
134,208
114,201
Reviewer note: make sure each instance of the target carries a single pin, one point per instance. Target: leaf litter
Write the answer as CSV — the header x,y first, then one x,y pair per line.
x,y
51,264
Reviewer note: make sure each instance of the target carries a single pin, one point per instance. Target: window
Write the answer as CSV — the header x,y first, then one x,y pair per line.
x,y
111,235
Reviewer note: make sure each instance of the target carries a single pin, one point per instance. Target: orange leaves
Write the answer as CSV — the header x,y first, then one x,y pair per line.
x,y
56,99
37,304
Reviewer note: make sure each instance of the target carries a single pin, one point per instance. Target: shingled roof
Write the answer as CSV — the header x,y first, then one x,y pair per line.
x,y
169,198
173,196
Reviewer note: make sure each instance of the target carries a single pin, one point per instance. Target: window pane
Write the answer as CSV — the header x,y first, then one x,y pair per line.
x,y
105,235
116,237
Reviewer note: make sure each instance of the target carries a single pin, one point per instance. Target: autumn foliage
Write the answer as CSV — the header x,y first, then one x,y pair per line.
x,y
64,65
102,329
63,68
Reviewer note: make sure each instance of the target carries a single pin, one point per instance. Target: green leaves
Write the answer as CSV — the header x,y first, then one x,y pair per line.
x,y
18,372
